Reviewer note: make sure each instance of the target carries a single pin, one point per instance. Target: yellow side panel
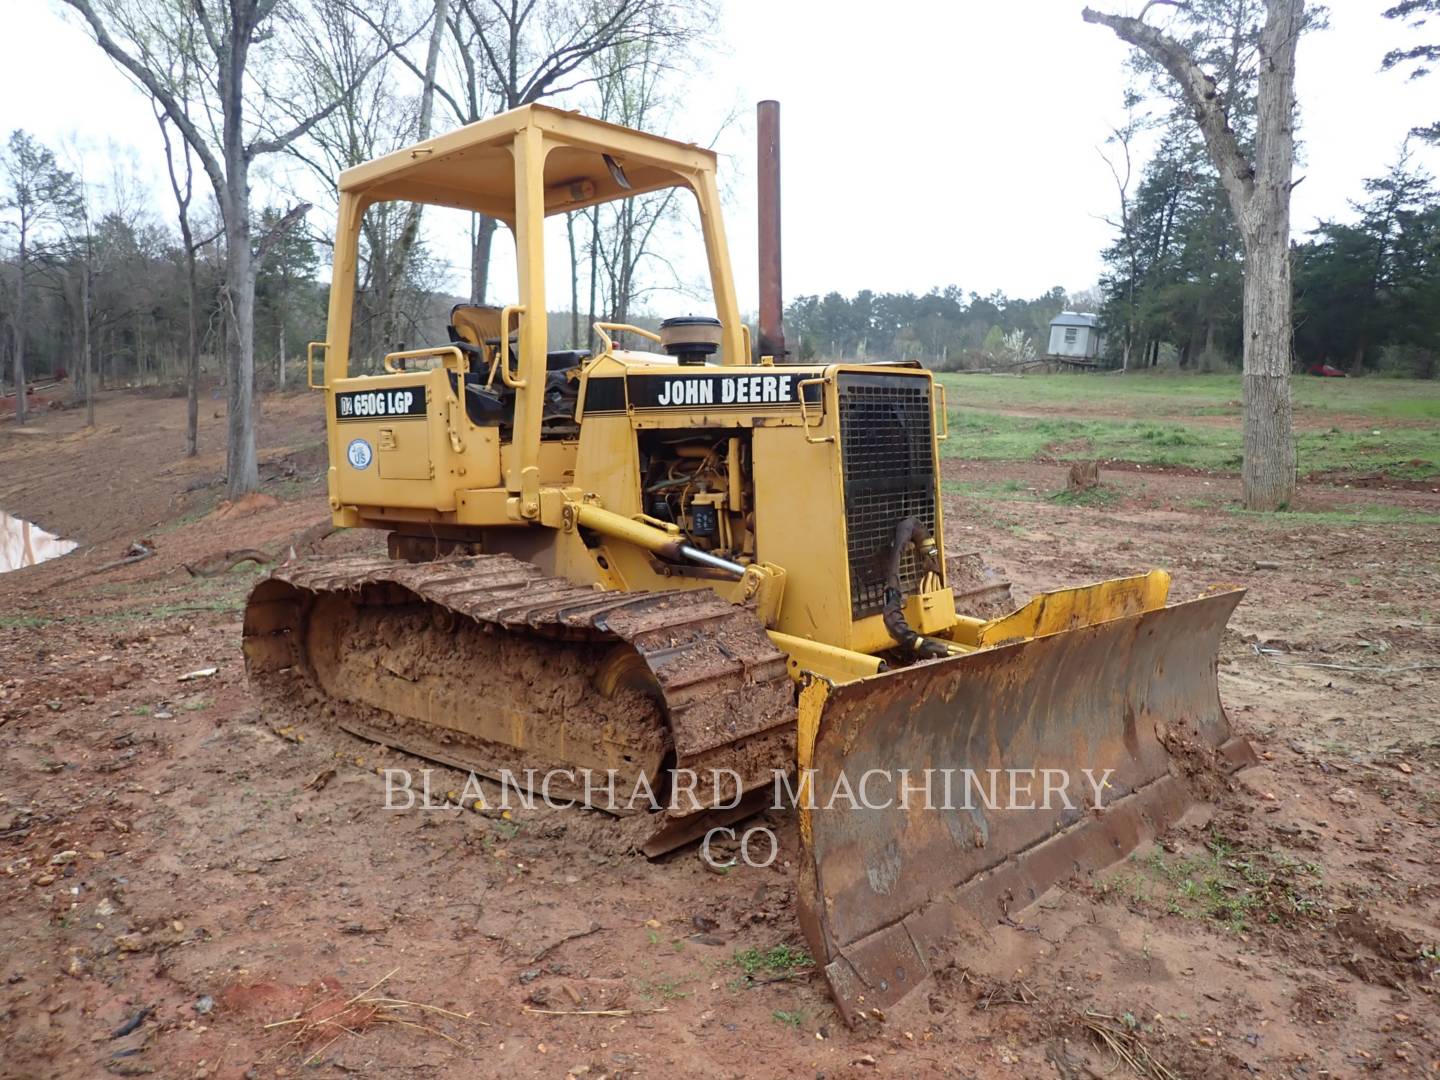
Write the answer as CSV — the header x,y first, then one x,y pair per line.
x,y
800,525
607,464
402,451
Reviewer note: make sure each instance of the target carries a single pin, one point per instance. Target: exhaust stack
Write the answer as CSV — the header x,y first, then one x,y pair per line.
x,y
772,326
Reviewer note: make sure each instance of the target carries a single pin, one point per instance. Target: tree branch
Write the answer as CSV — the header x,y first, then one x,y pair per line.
x,y
279,142
271,238
1200,93
158,90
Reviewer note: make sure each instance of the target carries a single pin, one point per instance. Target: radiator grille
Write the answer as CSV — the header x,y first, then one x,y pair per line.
x,y
889,473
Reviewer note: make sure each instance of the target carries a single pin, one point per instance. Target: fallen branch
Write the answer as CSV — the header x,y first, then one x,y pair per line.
x,y
223,564
592,1012
1356,667
1125,1045
137,552
299,543
360,1012
595,928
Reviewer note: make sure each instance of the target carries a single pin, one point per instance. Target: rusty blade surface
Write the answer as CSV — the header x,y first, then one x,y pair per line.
x,y
884,887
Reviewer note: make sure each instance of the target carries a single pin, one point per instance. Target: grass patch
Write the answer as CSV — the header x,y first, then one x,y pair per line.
x,y
1170,394
1008,491
1148,419
789,1019
164,611
1235,888
780,961
1016,491
662,989
23,622
1357,515
1099,496
990,436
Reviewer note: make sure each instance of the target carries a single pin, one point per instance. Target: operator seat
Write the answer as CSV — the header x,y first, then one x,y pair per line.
x,y
475,329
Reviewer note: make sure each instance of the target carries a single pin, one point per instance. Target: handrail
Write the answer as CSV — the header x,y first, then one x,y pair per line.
x,y
601,327
944,432
502,351
805,414
310,364
444,352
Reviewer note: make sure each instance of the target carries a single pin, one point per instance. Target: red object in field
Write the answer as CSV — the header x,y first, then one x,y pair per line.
x,y
1325,371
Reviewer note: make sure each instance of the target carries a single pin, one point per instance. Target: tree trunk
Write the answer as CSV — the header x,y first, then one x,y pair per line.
x,y
241,469
574,282
593,256
480,258
1268,471
192,346
1259,196
20,328
87,359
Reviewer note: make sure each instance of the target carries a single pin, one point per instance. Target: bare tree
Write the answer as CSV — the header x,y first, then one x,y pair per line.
x,y
1122,170
82,259
368,124
183,194
502,54
220,71
42,195
1258,189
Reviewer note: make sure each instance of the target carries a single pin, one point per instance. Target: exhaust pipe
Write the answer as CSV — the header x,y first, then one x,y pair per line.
x,y
772,326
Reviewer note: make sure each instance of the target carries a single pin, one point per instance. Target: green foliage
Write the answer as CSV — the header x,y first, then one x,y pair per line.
x,y
1236,888
944,328
779,961
1099,496
1417,57
1366,289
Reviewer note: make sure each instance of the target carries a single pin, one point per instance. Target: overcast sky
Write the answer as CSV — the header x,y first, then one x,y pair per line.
x,y
924,143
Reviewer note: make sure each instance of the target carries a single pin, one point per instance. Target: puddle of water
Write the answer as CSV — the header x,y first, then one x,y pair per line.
x,y
24,544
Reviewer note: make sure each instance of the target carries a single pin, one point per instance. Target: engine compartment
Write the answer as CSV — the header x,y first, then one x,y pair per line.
x,y
702,482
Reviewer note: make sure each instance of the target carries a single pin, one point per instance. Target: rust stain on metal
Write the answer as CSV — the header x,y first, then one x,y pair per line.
x,y
883,890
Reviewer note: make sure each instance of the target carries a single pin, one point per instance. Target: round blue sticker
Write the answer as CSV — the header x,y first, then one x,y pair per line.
x,y
359,454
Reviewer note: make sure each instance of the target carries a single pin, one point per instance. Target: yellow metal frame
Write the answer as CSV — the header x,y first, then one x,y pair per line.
x,y
447,170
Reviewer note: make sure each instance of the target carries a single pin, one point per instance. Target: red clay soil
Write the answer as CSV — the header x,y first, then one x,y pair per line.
x,y
179,879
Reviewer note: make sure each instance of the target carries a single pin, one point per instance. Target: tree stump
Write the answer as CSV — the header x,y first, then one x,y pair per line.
x,y
1084,475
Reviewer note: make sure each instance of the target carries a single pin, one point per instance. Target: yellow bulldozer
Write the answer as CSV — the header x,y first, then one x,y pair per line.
x,y
693,558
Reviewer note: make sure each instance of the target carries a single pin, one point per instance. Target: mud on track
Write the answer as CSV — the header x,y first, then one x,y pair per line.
x,y
224,876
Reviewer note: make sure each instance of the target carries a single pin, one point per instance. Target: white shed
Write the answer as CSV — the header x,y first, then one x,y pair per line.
x,y
1073,334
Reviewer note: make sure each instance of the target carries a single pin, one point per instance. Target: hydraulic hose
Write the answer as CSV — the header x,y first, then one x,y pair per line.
x,y
910,532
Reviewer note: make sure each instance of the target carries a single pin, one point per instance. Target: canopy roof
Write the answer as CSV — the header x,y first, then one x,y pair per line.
x,y
473,167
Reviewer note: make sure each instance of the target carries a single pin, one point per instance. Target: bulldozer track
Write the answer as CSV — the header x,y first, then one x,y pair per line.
x,y
488,664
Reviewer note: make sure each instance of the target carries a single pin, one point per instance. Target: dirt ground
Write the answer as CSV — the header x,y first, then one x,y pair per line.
x,y
179,878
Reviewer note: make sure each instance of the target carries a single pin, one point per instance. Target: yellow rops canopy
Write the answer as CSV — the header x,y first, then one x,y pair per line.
x,y
587,161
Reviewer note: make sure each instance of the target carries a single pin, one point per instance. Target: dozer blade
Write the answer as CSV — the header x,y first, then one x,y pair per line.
x,y
899,866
